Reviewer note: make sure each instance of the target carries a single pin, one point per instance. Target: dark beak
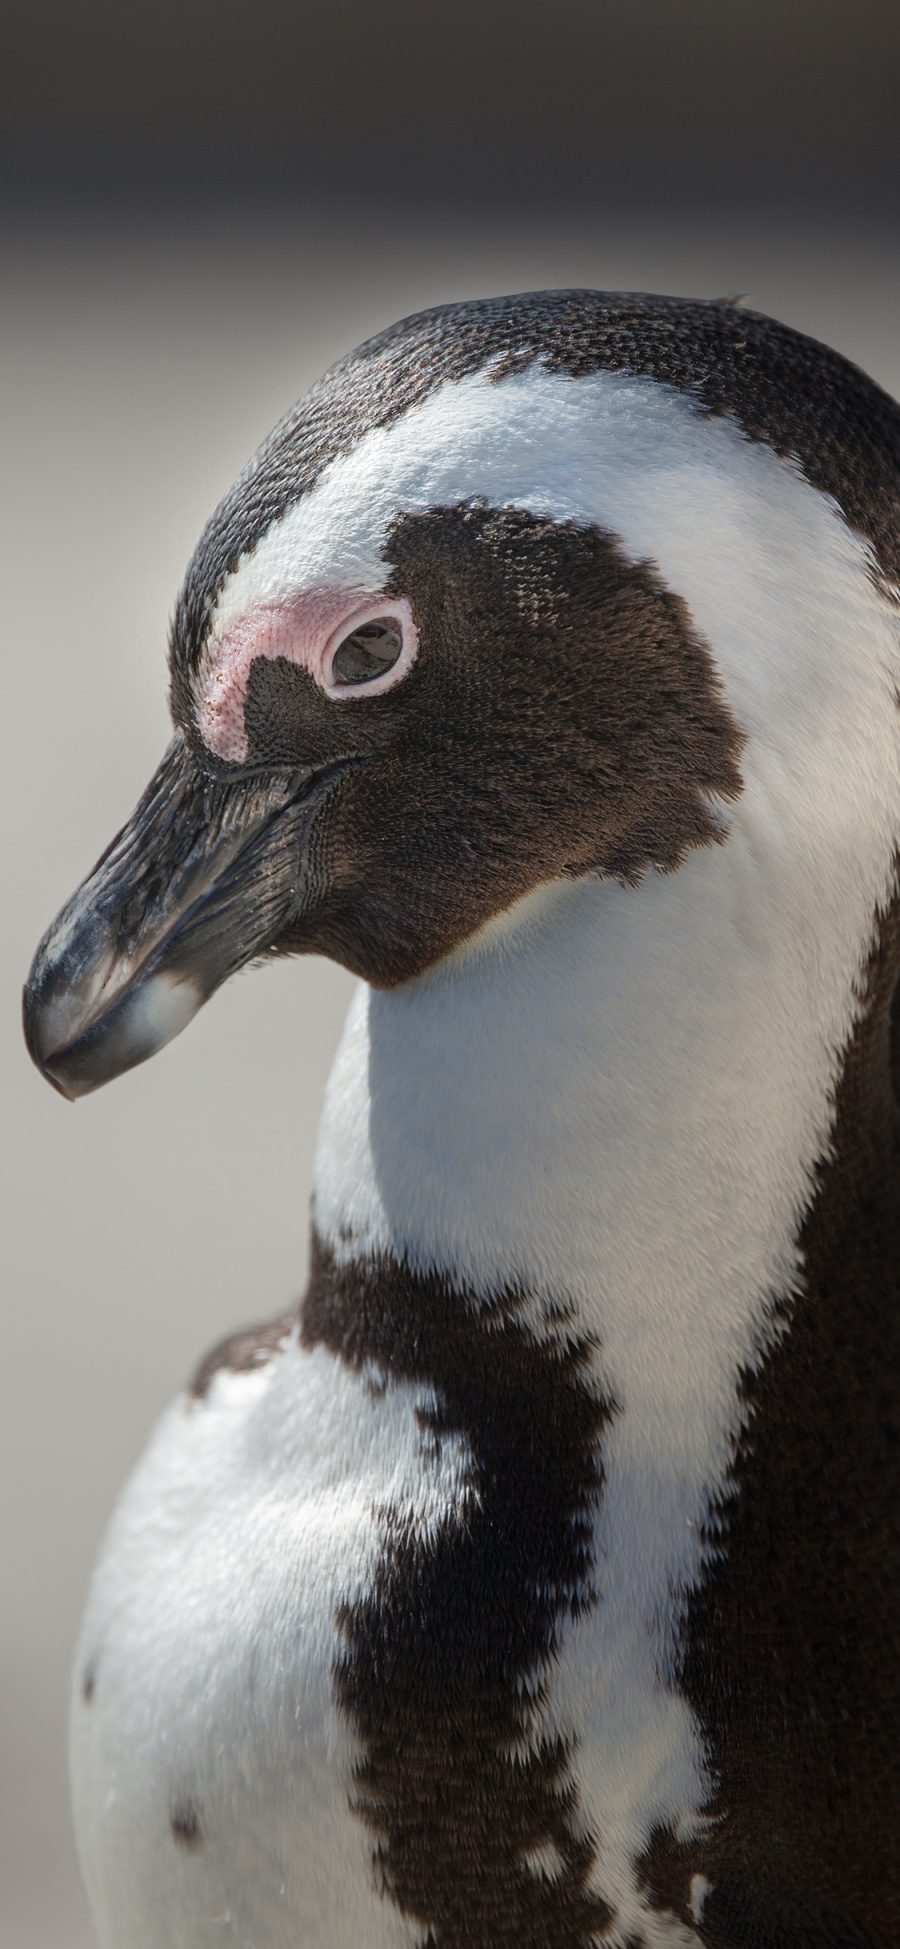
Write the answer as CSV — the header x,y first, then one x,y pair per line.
x,y
204,876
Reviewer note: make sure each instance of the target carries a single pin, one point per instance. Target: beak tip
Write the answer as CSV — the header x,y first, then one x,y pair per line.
x,y
138,1022
39,1040
56,1083
34,1021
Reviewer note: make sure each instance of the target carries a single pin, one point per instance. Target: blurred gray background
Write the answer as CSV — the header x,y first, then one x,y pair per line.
x,y
202,205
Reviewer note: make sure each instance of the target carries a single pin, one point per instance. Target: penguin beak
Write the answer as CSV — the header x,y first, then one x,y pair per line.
x,y
204,877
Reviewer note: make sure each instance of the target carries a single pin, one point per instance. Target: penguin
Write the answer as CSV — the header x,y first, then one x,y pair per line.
x,y
535,1582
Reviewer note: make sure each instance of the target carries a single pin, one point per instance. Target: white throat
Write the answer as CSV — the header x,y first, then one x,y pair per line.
x,y
617,1099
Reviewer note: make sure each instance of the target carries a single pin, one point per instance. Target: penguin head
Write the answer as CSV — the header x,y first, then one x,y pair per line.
x,y
415,675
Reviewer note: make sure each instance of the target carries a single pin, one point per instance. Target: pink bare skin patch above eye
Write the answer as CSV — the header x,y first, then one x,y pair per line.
x,y
306,630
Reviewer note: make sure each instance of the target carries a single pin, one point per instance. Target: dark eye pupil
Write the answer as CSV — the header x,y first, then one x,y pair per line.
x,y
365,654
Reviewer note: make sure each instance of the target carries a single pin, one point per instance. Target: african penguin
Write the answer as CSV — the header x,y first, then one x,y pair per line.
x,y
536,1583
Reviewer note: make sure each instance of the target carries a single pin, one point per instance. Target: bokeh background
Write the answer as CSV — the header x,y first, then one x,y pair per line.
x,y
202,204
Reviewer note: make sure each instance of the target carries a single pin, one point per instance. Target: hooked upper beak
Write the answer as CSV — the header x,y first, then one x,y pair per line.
x,y
204,876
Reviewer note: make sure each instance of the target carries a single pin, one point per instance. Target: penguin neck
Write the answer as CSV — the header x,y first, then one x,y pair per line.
x,y
616,1101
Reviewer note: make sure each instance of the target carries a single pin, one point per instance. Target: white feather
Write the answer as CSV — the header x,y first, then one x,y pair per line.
x,y
211,1624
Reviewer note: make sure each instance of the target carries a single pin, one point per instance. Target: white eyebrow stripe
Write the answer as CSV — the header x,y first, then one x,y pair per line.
x,y
538,440
777,584
631,455
764,561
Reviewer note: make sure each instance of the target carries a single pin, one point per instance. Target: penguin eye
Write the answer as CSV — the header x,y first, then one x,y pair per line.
x,y
376,652
367,652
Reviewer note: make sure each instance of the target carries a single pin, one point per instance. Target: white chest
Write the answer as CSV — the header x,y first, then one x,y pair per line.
x,y
212,1773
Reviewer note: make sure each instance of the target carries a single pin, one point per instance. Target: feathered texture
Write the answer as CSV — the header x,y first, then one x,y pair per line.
x,y
538,1583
